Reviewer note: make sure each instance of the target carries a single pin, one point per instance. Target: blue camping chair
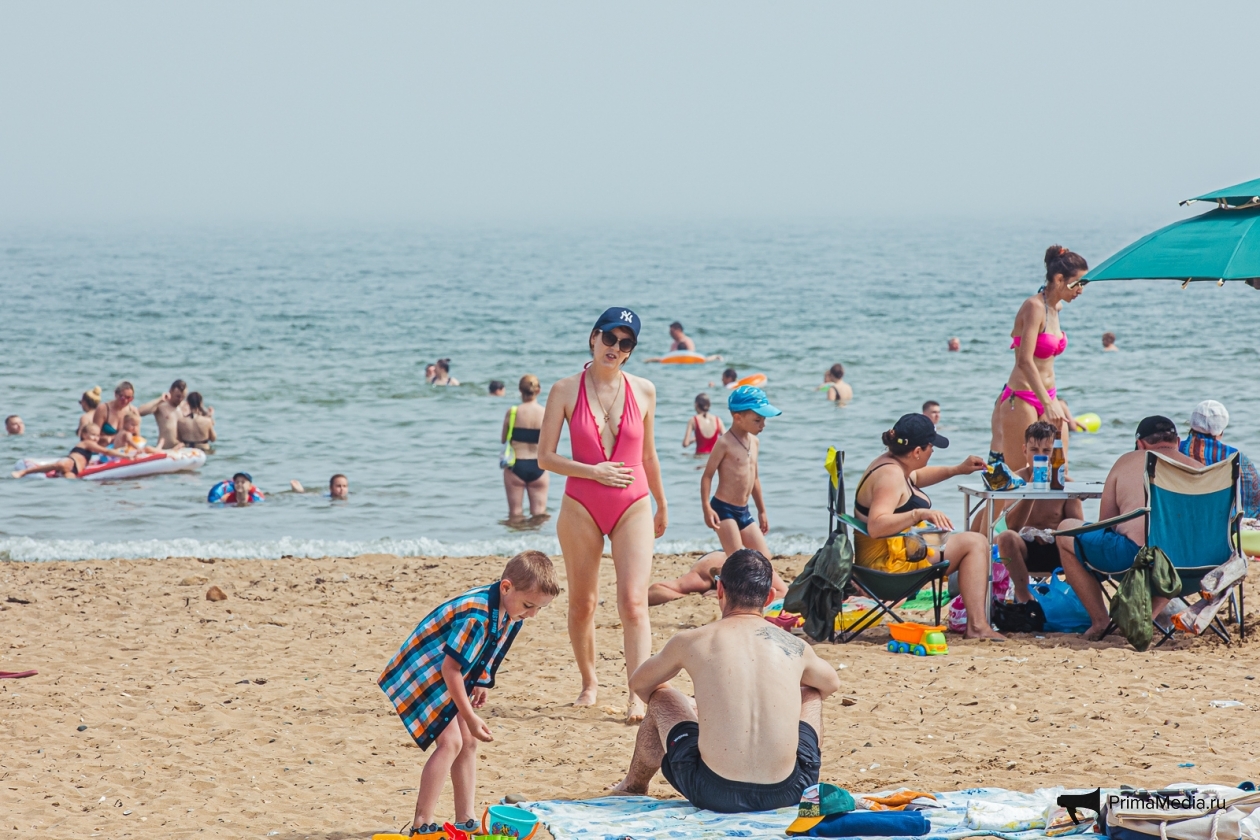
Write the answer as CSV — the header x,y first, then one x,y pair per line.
x,y
1192,516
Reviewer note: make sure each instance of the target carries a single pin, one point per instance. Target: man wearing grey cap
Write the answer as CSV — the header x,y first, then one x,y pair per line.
x,y
1207,424
1114,549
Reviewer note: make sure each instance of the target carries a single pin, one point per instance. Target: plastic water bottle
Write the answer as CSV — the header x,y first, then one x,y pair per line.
x,y
1041,472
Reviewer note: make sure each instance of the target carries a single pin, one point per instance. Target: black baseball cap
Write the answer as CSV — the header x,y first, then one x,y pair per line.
x,y
917,430
618,316
1155,425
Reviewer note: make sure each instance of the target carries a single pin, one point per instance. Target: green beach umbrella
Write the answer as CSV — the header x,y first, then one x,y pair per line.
x,y
1219,245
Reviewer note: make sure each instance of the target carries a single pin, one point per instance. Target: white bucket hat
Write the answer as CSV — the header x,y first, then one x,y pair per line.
x,y
1209,417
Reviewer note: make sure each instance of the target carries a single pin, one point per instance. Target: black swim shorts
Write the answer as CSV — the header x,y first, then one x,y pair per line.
x,y
686,771
725,510
1042,557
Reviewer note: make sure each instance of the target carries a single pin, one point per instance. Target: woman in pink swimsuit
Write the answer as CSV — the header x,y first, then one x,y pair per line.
x,y
614,468
1037,338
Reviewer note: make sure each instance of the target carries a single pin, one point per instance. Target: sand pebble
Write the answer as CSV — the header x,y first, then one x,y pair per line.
x,y
214,593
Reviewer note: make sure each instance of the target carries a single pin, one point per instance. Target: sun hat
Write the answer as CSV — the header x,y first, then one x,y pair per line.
x,y
918,430
817,802
618,316
1209,417
751,398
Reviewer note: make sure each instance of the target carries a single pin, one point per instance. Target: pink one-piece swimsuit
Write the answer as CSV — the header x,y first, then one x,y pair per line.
x,y
606,504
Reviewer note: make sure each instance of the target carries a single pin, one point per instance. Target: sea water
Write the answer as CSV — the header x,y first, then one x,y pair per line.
x,y
311,345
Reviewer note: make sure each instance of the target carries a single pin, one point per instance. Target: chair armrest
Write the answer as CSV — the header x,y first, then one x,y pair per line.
x,y
853,522
1106,523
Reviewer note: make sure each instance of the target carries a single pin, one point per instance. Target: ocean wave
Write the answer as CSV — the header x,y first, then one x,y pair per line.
x,y
25,549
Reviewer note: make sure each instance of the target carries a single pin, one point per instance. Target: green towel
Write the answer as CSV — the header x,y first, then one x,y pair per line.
x,y
818,590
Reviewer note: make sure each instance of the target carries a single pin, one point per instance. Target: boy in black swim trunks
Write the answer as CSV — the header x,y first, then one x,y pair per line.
x,y
734,459
1020,555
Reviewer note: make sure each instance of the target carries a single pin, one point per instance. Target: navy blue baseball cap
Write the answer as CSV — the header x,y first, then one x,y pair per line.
x,y
749,398
917,430
618,316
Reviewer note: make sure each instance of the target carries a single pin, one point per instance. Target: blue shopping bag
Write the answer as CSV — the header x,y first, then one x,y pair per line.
x,y
1064,611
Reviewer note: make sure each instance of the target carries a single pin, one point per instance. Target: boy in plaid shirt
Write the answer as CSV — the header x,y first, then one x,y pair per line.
x,y
443,670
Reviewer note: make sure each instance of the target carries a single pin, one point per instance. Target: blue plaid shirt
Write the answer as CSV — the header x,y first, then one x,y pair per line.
x,y
467,629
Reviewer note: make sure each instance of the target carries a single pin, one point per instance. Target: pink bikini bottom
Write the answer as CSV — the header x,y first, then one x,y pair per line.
x,y
1029,397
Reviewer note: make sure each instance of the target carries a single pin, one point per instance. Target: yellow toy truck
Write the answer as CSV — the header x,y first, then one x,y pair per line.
x,y
919,639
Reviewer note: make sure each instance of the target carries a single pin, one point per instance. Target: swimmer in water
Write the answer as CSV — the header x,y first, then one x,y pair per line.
x,y
167,411
700,579
704,428
729,378
954,345
497,388
523,476
13,425
89,402
682,341
430,373
838,391
442,373
91,442
1109,342
197,429
338,487
932,411
109,415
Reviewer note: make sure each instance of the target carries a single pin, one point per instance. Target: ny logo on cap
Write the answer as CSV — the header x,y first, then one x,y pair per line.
x,y
627,316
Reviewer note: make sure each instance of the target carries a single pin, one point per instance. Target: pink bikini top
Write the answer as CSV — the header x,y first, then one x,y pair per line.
x,y
588,448
1047,345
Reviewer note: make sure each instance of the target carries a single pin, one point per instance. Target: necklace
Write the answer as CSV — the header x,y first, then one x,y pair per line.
x,y
747,448
607,411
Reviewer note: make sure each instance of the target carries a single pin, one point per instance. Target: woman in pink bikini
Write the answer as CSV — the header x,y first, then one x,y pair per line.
x,y
1037,338
614,468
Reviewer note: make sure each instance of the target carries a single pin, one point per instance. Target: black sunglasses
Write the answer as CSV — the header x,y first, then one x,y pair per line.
x,y
610,340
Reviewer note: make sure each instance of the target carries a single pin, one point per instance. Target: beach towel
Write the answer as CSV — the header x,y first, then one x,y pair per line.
x,y
644,817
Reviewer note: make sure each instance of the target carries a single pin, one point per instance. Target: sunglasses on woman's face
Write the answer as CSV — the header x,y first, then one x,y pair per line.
x,y
625,345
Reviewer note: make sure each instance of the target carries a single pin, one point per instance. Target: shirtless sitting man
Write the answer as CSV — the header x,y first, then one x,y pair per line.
x,y
1114,549
167,411
701,579
750,741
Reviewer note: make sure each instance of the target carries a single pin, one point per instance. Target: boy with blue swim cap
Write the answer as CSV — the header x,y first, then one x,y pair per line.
x,y
734,459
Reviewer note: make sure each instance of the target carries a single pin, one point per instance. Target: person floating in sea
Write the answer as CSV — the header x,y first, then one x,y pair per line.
x,y
197,429
614,469
338,487
953,345
430,373
442,373
729,378
521,475
91,442
704,428
13,425
700,579
240,491
1109,342
497,388
681,342
440,678
1037,339
168,410
932,411
734,460
751,740
838,391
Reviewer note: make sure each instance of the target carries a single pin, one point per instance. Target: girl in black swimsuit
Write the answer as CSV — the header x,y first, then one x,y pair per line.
x,y
524,477
79,457
890,503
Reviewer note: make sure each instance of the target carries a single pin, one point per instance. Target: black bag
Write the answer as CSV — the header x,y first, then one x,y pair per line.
x,y
1018,618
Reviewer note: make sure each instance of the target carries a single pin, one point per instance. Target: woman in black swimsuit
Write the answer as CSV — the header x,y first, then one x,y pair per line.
x,y
524,476
890,502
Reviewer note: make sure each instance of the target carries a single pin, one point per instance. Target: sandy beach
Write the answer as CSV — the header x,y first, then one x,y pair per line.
x,y
260,716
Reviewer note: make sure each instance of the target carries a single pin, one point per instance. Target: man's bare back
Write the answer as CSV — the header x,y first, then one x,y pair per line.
x,y
1125,489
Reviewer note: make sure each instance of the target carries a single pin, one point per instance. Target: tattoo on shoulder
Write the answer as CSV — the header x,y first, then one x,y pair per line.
x,y
786,642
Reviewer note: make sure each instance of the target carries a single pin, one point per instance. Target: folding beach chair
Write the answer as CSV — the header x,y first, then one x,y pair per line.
x,y
887,590
1191,515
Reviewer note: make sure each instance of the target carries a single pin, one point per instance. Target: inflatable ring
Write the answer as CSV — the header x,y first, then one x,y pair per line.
x,y
757,379
224,493
683,357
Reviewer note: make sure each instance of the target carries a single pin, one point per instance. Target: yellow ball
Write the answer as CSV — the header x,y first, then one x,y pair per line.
x,y
1092,422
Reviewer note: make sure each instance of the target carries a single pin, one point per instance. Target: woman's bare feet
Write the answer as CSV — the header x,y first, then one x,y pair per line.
x,y
635,711
587,697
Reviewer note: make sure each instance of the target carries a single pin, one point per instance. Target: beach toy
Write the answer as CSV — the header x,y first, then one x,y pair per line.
x,y
757,379
1250,542
122,468
919,639
683,357
224,493
1089,421
509,821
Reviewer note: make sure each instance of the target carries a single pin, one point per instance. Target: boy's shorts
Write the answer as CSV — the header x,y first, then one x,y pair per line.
x,y
1106,551
725,510
686,771
1042,557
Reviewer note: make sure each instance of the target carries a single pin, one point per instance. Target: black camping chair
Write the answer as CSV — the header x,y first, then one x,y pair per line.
x,y
886,589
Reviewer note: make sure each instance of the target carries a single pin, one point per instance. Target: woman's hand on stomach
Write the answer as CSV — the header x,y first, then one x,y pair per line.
x,y
613,474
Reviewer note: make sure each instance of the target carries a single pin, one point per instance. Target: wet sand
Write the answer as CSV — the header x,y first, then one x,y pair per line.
x,y
260,716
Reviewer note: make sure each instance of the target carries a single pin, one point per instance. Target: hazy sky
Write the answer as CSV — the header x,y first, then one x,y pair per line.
x,y
553,112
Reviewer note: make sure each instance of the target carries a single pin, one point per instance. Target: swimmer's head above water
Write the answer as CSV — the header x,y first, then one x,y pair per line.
x,y
13,425
729,375
339,487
